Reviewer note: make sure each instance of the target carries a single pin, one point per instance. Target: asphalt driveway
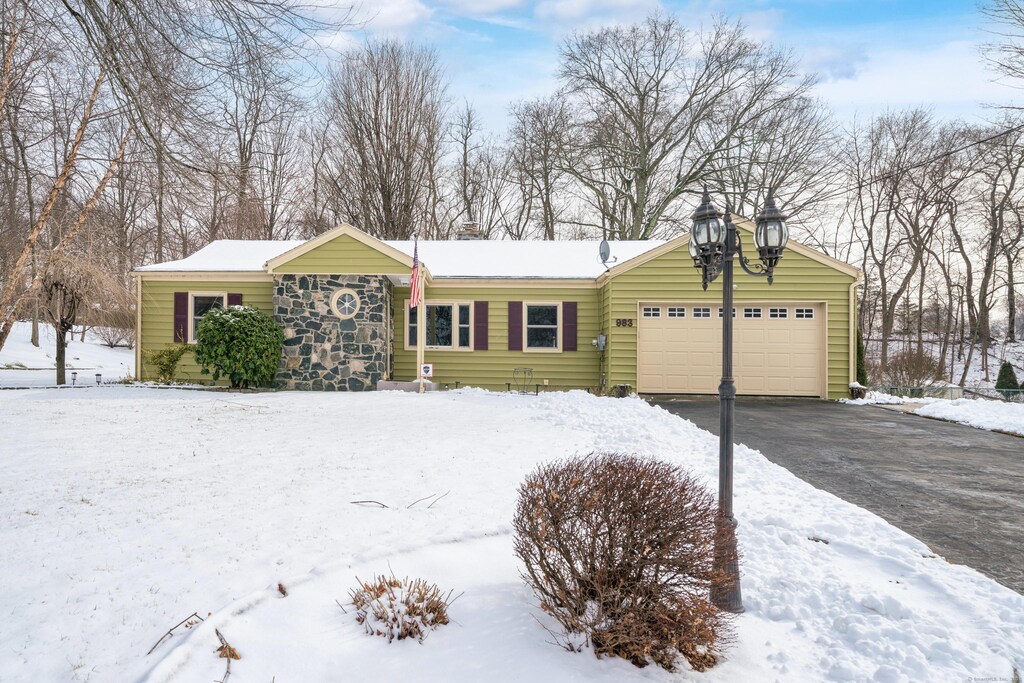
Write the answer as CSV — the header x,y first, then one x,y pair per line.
x,y
958,489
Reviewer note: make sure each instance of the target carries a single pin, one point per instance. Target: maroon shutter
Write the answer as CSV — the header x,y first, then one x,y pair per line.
x,y
479,325
568,325
180,316
515,325
234,299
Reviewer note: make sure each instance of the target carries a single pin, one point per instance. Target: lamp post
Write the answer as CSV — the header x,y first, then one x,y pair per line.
x,y
714,245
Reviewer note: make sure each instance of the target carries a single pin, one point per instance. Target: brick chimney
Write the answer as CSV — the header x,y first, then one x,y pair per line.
x,y
470,230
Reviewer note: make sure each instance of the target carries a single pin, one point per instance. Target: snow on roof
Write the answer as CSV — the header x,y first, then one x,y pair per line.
x,y
227,255
520,258
460,258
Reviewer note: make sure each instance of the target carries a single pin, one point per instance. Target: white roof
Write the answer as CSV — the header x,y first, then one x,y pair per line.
x,y
458,258
227,255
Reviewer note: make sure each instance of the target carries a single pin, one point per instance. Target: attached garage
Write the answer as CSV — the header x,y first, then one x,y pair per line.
x,y
779,348
794,337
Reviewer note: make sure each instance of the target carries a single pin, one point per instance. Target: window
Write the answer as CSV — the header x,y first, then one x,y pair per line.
x,y
720,312
201,303
676,312
541,326
652,312
345,303
448,326
751,312
803,313
701,312
778,312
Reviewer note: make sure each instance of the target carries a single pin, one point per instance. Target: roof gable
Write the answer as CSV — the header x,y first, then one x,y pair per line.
x,y
745,227
344,249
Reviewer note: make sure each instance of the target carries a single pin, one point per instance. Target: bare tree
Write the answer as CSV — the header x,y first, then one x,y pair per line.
x,y
659,108
387,114
70,285
1006,52
538,141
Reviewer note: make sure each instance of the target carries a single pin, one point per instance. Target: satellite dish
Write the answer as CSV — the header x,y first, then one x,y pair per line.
x,y
605,250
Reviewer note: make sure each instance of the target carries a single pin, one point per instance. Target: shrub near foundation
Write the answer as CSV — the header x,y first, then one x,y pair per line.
x,y
241,343
620,550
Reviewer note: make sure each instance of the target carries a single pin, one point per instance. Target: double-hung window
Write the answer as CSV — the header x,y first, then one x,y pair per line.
x,y
541,329
448,326
201,303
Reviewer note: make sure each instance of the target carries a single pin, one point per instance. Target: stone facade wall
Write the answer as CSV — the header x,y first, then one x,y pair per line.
x,y
323,351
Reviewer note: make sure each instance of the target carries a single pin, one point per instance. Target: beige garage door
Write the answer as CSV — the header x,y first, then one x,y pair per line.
x,y
778,348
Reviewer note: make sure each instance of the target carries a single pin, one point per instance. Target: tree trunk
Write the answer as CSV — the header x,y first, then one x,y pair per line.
x,y
1011,301
35,306
62,345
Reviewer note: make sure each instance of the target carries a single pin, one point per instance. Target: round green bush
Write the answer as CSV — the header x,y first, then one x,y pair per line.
x,y
240,343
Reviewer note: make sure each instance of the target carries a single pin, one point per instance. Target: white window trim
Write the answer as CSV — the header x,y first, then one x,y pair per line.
x,y
755,312
778,313
654,311
558,327
704,312
806,313
455,332
680,311
191,339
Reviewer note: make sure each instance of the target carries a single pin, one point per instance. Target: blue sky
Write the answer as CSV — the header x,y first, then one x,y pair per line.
x,y
870,54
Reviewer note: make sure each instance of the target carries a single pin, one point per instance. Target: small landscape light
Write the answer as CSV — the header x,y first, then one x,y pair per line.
x,y
99,379
74,377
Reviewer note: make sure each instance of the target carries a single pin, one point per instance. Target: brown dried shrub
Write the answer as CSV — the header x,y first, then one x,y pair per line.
x,y
912,368
397,609
620,550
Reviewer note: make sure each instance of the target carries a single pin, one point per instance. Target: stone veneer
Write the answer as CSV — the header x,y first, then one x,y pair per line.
x,y
322,351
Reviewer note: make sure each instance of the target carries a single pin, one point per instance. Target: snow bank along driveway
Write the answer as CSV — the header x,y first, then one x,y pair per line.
x,y
123,510
988,414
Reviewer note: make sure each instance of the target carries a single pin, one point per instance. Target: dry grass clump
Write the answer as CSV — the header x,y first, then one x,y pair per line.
x,y
400,608
620,551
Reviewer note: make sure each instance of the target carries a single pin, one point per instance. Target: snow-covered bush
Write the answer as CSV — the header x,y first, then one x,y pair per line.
x,y
114,337
241,343
620,551
400,608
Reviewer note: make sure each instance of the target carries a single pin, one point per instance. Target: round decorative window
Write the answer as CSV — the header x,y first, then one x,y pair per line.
x,y
345,303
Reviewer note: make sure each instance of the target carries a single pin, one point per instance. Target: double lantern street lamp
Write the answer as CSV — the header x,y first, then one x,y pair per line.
x,y
714,245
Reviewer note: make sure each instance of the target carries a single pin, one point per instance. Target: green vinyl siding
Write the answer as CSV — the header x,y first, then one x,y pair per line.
x,y
672,277
344,254
493,368
158,316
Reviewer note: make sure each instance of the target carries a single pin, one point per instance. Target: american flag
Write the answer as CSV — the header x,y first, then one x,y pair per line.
x,y
416,295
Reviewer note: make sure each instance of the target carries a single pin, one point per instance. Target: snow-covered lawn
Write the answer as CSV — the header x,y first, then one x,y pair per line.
x,y
980,413
22,364
989,414
123,510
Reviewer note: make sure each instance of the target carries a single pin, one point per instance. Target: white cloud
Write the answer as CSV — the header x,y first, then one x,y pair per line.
x,y
394,17
949,77
582,10
482,7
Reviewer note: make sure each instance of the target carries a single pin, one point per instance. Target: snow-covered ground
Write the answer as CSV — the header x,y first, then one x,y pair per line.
x,y
123,510
980,413
22,364
989,414
997,353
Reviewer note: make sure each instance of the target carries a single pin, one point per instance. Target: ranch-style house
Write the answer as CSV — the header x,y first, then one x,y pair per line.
x,y
497,308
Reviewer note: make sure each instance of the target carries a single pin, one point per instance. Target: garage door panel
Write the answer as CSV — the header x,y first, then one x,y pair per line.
x,y
772,356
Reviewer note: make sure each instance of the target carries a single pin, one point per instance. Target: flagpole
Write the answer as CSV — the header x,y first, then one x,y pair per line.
x,y
421,331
